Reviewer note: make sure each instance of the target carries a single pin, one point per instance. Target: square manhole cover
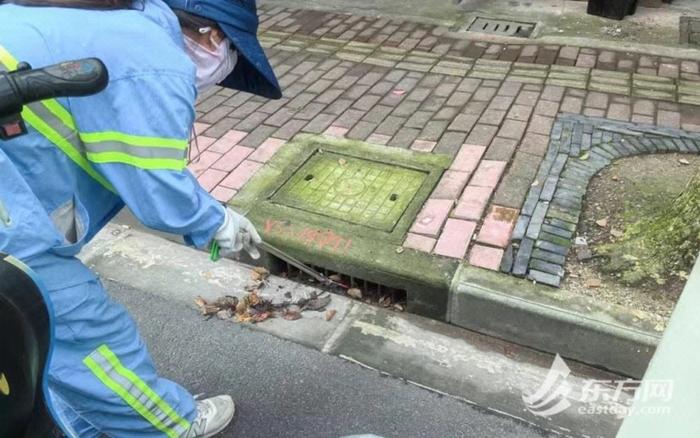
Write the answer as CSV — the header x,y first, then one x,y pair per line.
x,y
360,191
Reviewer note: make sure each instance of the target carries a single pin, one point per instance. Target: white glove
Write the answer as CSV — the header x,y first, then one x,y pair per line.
x,y
237,233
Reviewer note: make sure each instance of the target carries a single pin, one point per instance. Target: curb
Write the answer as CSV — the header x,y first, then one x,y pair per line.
x,y
550,320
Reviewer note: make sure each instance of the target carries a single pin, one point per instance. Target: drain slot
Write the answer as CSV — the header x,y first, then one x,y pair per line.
x,y
519,29
372,292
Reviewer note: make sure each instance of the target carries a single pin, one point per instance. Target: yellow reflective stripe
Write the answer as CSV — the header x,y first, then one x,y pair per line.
x,y
142,163
134,140
64,145
140,384
50,104
128,398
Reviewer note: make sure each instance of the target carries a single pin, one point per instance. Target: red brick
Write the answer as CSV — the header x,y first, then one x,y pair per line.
x,y
488,173
486,257
455,238
200,127
432,216
240,176
233,158
203,162
223,145
451,185
468,158
223,194
336,131
423,145
472,203
421,243
498,226
210,178
266,150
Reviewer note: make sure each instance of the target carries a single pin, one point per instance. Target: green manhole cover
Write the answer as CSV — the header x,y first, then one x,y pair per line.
x,y
355,190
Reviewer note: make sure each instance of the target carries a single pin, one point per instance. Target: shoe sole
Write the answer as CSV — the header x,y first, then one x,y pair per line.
x,y
224,426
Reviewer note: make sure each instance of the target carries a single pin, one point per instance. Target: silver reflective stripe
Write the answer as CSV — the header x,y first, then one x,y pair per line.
x,y
5,215
136,151
57,125
139,395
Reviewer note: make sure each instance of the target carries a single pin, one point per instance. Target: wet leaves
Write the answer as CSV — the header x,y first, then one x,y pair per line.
x,y
330,314
354,292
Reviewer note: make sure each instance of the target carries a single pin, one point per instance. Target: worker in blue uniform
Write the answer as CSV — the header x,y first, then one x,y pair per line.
x,y
85,158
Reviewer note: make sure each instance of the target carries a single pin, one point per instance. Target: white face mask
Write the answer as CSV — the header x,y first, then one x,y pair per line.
x,y
212,66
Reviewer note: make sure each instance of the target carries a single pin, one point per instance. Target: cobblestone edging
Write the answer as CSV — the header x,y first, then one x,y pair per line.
x,y
579,148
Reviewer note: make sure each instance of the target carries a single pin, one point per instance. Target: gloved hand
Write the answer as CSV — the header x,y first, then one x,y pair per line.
x,y
237,233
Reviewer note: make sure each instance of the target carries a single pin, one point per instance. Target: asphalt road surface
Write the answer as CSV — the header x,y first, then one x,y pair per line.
x,y
286,390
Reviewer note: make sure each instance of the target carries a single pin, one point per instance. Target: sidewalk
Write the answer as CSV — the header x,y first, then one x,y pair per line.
x,y
489,107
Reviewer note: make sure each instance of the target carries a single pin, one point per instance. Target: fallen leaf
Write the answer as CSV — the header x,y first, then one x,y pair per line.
x,y
615,178
602,222
330,314
342,161
260,317
335,277
684,161
535,183
398,92
593,283
354,293
291,315
318,303
224,314
584,156
200,302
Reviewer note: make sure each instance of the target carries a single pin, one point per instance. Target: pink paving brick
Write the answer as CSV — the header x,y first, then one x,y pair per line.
x,y
240,176
202,142
266,150
223,145
498,226
421,243
432,216
336,131
233,158
488,173
486,257
235,135
200,127
472,203
450,185
210,178
468,158
223,194
455,238
203,162
378,139
423,145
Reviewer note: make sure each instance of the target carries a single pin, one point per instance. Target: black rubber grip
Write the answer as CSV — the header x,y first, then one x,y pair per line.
x,y
71,78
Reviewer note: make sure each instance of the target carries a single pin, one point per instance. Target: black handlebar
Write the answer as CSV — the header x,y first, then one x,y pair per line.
x,y
26,85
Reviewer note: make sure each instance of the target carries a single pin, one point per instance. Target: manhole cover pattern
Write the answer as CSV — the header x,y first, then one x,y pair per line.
x,y
355,190
502,27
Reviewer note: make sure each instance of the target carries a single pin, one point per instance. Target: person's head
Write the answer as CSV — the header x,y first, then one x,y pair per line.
x,y
221,38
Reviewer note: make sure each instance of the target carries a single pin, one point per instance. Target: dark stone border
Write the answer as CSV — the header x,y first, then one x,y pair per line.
x,y
579,148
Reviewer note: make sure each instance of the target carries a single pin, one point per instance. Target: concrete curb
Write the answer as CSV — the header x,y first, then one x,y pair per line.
x,y
551,320
486,372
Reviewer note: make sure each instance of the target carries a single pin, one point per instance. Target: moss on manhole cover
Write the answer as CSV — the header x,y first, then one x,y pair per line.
x,y
364,192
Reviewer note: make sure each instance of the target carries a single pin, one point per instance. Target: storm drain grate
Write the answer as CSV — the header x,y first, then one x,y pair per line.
x,y
375,293
493,26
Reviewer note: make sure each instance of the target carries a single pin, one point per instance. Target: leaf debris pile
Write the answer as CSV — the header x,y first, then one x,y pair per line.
x,y
254,308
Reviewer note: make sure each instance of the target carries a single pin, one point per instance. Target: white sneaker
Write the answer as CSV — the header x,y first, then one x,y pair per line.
x,y
213,415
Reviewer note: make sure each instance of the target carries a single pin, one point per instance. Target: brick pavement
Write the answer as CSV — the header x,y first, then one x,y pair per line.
x,y
491,107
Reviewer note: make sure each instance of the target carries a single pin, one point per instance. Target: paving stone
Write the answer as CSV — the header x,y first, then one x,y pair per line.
x,y
522,257
492,117
472,203
433,130
507,259
501,149
223,194
455,238
498,226
486,257
390,125
404,138
423,145
266,150
361,130
535,144
450,143
516,183
552,93
671,119
319,123
512,129
463,122
644,106
482,135
544,278
468,158
231,159
548,267
210,178
203,162
551,247
241,174
488,174
537,220
430,219
450,185
566,234
619,112
571,105
547,256
541,125
418,242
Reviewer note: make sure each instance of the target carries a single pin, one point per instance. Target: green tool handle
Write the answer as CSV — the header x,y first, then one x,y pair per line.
x,y
214,252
